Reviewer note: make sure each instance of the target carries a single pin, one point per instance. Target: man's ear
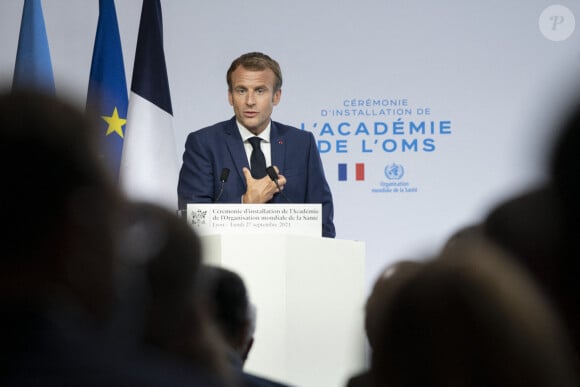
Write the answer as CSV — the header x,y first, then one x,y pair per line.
x,y
230,98
276,97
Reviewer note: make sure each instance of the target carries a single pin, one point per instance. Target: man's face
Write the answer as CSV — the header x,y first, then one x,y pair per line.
x,y
253,97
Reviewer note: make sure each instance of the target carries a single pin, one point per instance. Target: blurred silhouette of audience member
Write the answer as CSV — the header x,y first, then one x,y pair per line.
x,y
60,212
58,206
539,227
383,289
471,317
468,234
529,226
160,305
235,316
564,167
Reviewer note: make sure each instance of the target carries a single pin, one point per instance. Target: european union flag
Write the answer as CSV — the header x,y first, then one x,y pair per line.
x,y
107,94
33,69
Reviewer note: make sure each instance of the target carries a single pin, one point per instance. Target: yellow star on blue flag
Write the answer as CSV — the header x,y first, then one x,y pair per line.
x,y
107,97
115,123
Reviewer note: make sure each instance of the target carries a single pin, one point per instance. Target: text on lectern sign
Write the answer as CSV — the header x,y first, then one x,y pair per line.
x,y
221,219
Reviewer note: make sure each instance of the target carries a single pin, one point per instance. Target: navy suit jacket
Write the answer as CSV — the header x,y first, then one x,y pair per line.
x,y
209,150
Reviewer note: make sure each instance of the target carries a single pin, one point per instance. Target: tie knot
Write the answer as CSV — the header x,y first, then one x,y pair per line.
x,y
255,141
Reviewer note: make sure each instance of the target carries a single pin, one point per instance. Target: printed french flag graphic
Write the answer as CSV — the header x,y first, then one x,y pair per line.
x,y
359,174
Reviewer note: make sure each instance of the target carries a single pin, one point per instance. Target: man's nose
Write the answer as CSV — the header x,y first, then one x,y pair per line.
x,y
250,98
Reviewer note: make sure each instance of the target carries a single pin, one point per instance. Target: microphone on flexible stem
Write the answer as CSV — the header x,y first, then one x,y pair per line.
x,y
223,178
274,176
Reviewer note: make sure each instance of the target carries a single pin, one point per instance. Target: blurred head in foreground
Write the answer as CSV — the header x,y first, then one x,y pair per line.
x,y
471,317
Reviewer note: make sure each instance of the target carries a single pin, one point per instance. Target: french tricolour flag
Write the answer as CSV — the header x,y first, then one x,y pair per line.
x,y
359,173
149,163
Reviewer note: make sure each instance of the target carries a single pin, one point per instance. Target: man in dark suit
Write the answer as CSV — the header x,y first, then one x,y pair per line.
x,y
254,88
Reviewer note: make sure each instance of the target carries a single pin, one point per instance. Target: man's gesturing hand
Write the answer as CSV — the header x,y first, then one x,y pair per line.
x,y
261,190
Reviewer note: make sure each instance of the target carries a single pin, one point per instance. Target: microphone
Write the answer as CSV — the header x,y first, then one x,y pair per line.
x,y
223,178
274,176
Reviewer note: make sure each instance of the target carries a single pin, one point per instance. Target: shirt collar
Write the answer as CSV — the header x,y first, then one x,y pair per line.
x,y
246,134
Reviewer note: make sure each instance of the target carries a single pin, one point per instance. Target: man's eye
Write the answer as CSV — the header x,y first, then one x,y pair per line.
x,y
240,91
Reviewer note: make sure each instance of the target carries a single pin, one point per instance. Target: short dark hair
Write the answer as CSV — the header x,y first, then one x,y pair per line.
x,y
228,300
256,61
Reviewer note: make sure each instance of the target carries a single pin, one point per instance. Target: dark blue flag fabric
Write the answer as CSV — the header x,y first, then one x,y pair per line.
x,y
149,166
33,69
150,72
107,94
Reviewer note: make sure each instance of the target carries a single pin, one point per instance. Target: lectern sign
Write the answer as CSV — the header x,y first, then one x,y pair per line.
x,y
222,219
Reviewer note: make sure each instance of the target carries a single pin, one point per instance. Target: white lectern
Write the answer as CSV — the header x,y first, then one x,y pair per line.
x,y
309,294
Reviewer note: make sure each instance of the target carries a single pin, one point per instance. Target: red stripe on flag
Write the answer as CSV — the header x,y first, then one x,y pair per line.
x,y
360,171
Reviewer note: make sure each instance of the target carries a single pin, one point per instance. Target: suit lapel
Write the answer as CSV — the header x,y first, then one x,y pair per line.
x,y
236,148
277,146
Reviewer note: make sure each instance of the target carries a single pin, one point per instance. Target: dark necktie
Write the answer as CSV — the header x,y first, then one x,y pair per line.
x,y
257,159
